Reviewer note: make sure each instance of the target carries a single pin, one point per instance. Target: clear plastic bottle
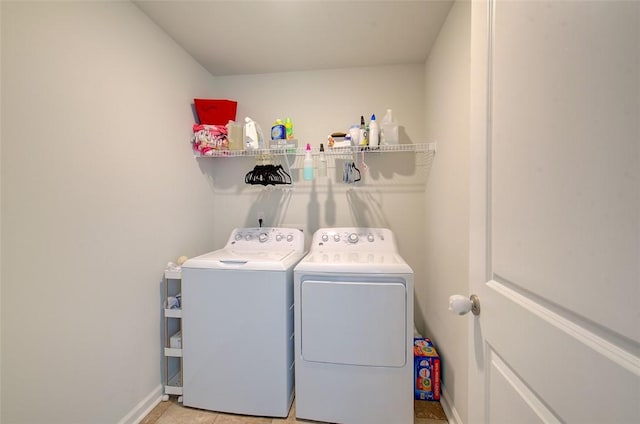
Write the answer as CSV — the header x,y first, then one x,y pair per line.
x,y
307,172
322,163
354,132
389,129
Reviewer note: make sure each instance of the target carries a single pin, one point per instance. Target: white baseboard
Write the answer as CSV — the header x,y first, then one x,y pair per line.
x,y
143,407
449,408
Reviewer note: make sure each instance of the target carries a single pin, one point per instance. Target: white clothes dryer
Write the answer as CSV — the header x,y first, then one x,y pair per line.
x,y
353,297
237,325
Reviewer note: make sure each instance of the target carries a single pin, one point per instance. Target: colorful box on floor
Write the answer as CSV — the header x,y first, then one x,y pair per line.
x,y
427,370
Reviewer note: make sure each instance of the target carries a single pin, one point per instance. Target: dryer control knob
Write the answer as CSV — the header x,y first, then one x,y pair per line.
x,y
279,237
336,237
371,238
248,237
325,238
290,237
353,238
238,236
263,237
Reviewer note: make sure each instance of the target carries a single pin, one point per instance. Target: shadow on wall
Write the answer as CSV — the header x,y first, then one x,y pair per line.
x,y
313,210
408,167
330,206
366,210
418,320
272,204
207,167
392,170
388,180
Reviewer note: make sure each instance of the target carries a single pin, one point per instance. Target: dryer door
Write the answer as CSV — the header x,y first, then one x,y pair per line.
x,y
354,323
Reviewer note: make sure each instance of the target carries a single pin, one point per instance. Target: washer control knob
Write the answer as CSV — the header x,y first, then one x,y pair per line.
x,y
279,237
353,238
325,238
289,237
238,236
371,238
336,237
263,237
248,237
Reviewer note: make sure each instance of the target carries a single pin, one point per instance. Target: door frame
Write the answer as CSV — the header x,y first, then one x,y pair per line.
x,y
479,193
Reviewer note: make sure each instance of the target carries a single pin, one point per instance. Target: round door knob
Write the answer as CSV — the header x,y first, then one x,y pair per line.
x,y
353,238
460,305
263,237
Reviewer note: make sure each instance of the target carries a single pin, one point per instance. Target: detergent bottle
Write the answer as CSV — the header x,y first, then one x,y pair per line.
x,y
288,125
278,131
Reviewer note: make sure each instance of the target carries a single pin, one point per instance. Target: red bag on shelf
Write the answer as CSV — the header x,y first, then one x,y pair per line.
x,y
215,111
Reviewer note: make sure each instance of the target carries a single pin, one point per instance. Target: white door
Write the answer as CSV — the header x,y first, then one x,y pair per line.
x,y
555,221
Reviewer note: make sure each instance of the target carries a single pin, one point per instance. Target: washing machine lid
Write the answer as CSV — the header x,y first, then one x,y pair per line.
x,y
354,262
265,260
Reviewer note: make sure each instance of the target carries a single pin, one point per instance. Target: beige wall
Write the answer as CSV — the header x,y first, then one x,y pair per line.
x,y
447,203
392,191
99,191
1,314
320,102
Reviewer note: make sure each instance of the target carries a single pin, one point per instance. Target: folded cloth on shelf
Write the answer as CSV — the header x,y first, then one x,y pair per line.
x,y
174,302
207,138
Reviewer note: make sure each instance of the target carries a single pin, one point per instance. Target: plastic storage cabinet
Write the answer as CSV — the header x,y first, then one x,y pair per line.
x,y
172,337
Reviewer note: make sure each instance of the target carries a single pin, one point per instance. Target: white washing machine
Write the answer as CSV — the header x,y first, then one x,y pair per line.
x,y
237,325
353,297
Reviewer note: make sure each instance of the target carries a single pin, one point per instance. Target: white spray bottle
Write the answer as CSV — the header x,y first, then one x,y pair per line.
x,y
322,163
374,132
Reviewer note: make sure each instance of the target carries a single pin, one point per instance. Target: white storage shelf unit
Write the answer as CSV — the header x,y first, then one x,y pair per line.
x,y
172,325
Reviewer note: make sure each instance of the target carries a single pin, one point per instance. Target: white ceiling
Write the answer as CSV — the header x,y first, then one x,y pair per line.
x,y
252,37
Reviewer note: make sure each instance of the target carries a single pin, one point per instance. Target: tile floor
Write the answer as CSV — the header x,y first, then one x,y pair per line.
x,y
172,412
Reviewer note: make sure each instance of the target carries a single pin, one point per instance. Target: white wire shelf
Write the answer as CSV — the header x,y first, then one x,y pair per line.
x,y
419,148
